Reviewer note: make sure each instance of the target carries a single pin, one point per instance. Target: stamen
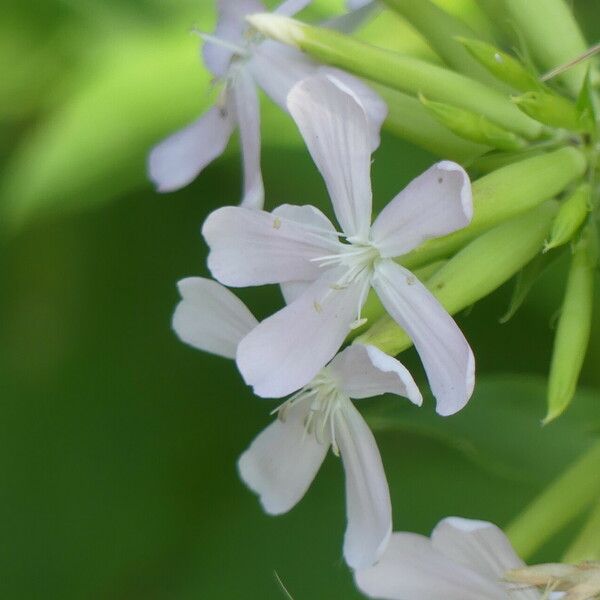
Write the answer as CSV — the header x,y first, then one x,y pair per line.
x,y
217,41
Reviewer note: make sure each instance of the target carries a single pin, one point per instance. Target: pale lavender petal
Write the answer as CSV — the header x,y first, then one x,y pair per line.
x,y
336,130
365,371
247,110
444,351
276,68
253,247
282,462
412,569
367,495
288,8
231,26
436,203
210,317
372,103
355,4
180,158
288,349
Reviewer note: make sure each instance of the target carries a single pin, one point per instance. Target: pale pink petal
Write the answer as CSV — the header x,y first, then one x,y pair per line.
x,y
336,130
288,349
247,110
276,68
288,8
412,569
231,26
372,103
180,158
282,462
211,318
366,371
434,204
367,495
252,247
444,351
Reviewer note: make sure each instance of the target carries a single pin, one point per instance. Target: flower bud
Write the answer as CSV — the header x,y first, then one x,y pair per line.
x,y
467,277
570,217
441,29
409,119
503,194
575,323
473,127
502,65
551,34
398,71
550,109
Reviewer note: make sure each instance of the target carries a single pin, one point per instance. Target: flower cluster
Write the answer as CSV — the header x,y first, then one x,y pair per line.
x,y
309,352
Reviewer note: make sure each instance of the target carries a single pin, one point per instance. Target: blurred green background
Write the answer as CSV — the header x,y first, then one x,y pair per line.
x,y
118,444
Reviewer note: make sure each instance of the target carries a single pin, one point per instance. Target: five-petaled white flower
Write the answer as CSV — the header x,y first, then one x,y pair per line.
x,y
282,461
328,280
242,60
463,560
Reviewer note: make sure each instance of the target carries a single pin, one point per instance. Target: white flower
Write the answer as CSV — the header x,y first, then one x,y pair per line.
x,y
282,461
242,60
331,279
463,560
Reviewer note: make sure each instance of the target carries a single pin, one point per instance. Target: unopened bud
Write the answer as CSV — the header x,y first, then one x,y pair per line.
x,y
502,65
574,326
570,217
473,127
550,109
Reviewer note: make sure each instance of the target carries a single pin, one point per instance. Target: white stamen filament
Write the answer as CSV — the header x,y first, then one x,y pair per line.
x,y
324,400
212,39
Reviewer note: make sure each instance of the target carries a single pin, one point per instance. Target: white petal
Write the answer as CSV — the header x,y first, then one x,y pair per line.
x,y
476,544
367,494
211,318
336,130
411,569
289,8
444,351
355,18
254,247
292,290
372,103
288,349
282,462
277,68
436,203
230,28
247,110
180,158
366,371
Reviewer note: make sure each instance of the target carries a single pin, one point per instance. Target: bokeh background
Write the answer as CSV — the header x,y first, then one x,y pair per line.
x,y
118,444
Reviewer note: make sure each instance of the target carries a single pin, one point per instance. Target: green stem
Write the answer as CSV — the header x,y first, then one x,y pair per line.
x,y
587,544
558,505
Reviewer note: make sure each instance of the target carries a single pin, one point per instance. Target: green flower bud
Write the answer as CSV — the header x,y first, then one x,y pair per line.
x,y
550,109
503,194
571,216
409,119
473,127
440,29
552,35
400,72
575,323
502,65
467,277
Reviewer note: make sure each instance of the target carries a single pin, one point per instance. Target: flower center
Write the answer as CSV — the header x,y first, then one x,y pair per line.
x,y
357,260
321,399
